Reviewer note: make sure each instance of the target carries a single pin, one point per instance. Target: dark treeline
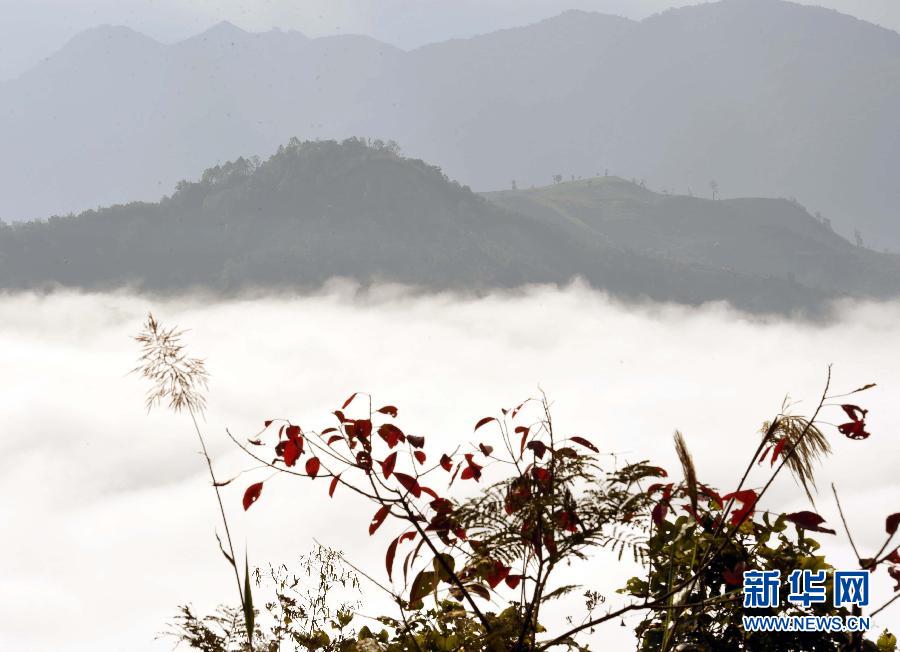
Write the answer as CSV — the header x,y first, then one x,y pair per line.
x,y
358,209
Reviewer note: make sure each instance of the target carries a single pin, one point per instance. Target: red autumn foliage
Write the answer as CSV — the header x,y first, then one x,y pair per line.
x,y
856,427
892,522
312,467
808,521
484,421
387,466
391,434
436,521
251,495
747,498
584,442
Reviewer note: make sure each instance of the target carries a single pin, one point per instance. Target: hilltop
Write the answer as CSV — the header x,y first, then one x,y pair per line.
x,y
774,238
358,210
768,98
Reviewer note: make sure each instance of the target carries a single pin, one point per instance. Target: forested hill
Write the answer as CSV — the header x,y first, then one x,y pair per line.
x,y
318,210
748,236
768,98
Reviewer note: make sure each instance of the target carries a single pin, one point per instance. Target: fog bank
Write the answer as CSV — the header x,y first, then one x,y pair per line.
x,y
106,510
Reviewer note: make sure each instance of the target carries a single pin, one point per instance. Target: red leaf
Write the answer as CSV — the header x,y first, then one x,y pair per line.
x,y
566,519
293,432
856,428
392,550
512,581
538,447
333,485
516,409
378,519
894,572
267,423
855,412
446,462
430,492
349,400
659,512
251,495
420,457
312,466
409,483
255,442
389,410
541,474
441,505
387,467
334,438
747,498
808,521
892,522
485,449
777,450
414,441
550,543
472,470
391,434
497,574
710,493
524,432
359,428
291,453
764,455
484,421
584,442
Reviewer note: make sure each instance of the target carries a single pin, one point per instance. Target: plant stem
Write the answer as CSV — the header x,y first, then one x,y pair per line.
x,y
212,475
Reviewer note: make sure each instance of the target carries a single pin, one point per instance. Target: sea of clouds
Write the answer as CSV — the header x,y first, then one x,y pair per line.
x,y
107,516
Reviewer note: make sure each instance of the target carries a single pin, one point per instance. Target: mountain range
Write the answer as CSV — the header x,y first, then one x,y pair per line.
x,y
764,97
322,209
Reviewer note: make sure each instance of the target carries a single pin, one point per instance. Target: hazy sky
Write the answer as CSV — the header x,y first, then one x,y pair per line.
x,y
32,29
108,517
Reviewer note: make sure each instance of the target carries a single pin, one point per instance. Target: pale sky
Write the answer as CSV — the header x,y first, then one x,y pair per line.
x,y
33,29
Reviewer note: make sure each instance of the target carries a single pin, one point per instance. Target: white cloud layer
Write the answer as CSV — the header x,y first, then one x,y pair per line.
x,y
107,517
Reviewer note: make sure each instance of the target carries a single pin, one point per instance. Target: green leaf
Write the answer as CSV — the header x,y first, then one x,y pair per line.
x,y
440,569
887,642
423,585
249,615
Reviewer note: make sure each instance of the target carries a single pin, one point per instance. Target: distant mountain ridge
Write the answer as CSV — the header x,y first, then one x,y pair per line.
x,y
765,97
319,210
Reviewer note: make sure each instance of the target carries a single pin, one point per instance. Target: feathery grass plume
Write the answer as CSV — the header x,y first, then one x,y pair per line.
x,y
687,465
182,380
165,364
805,445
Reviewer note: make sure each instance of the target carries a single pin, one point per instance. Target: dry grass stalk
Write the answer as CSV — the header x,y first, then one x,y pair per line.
x,y
174,376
